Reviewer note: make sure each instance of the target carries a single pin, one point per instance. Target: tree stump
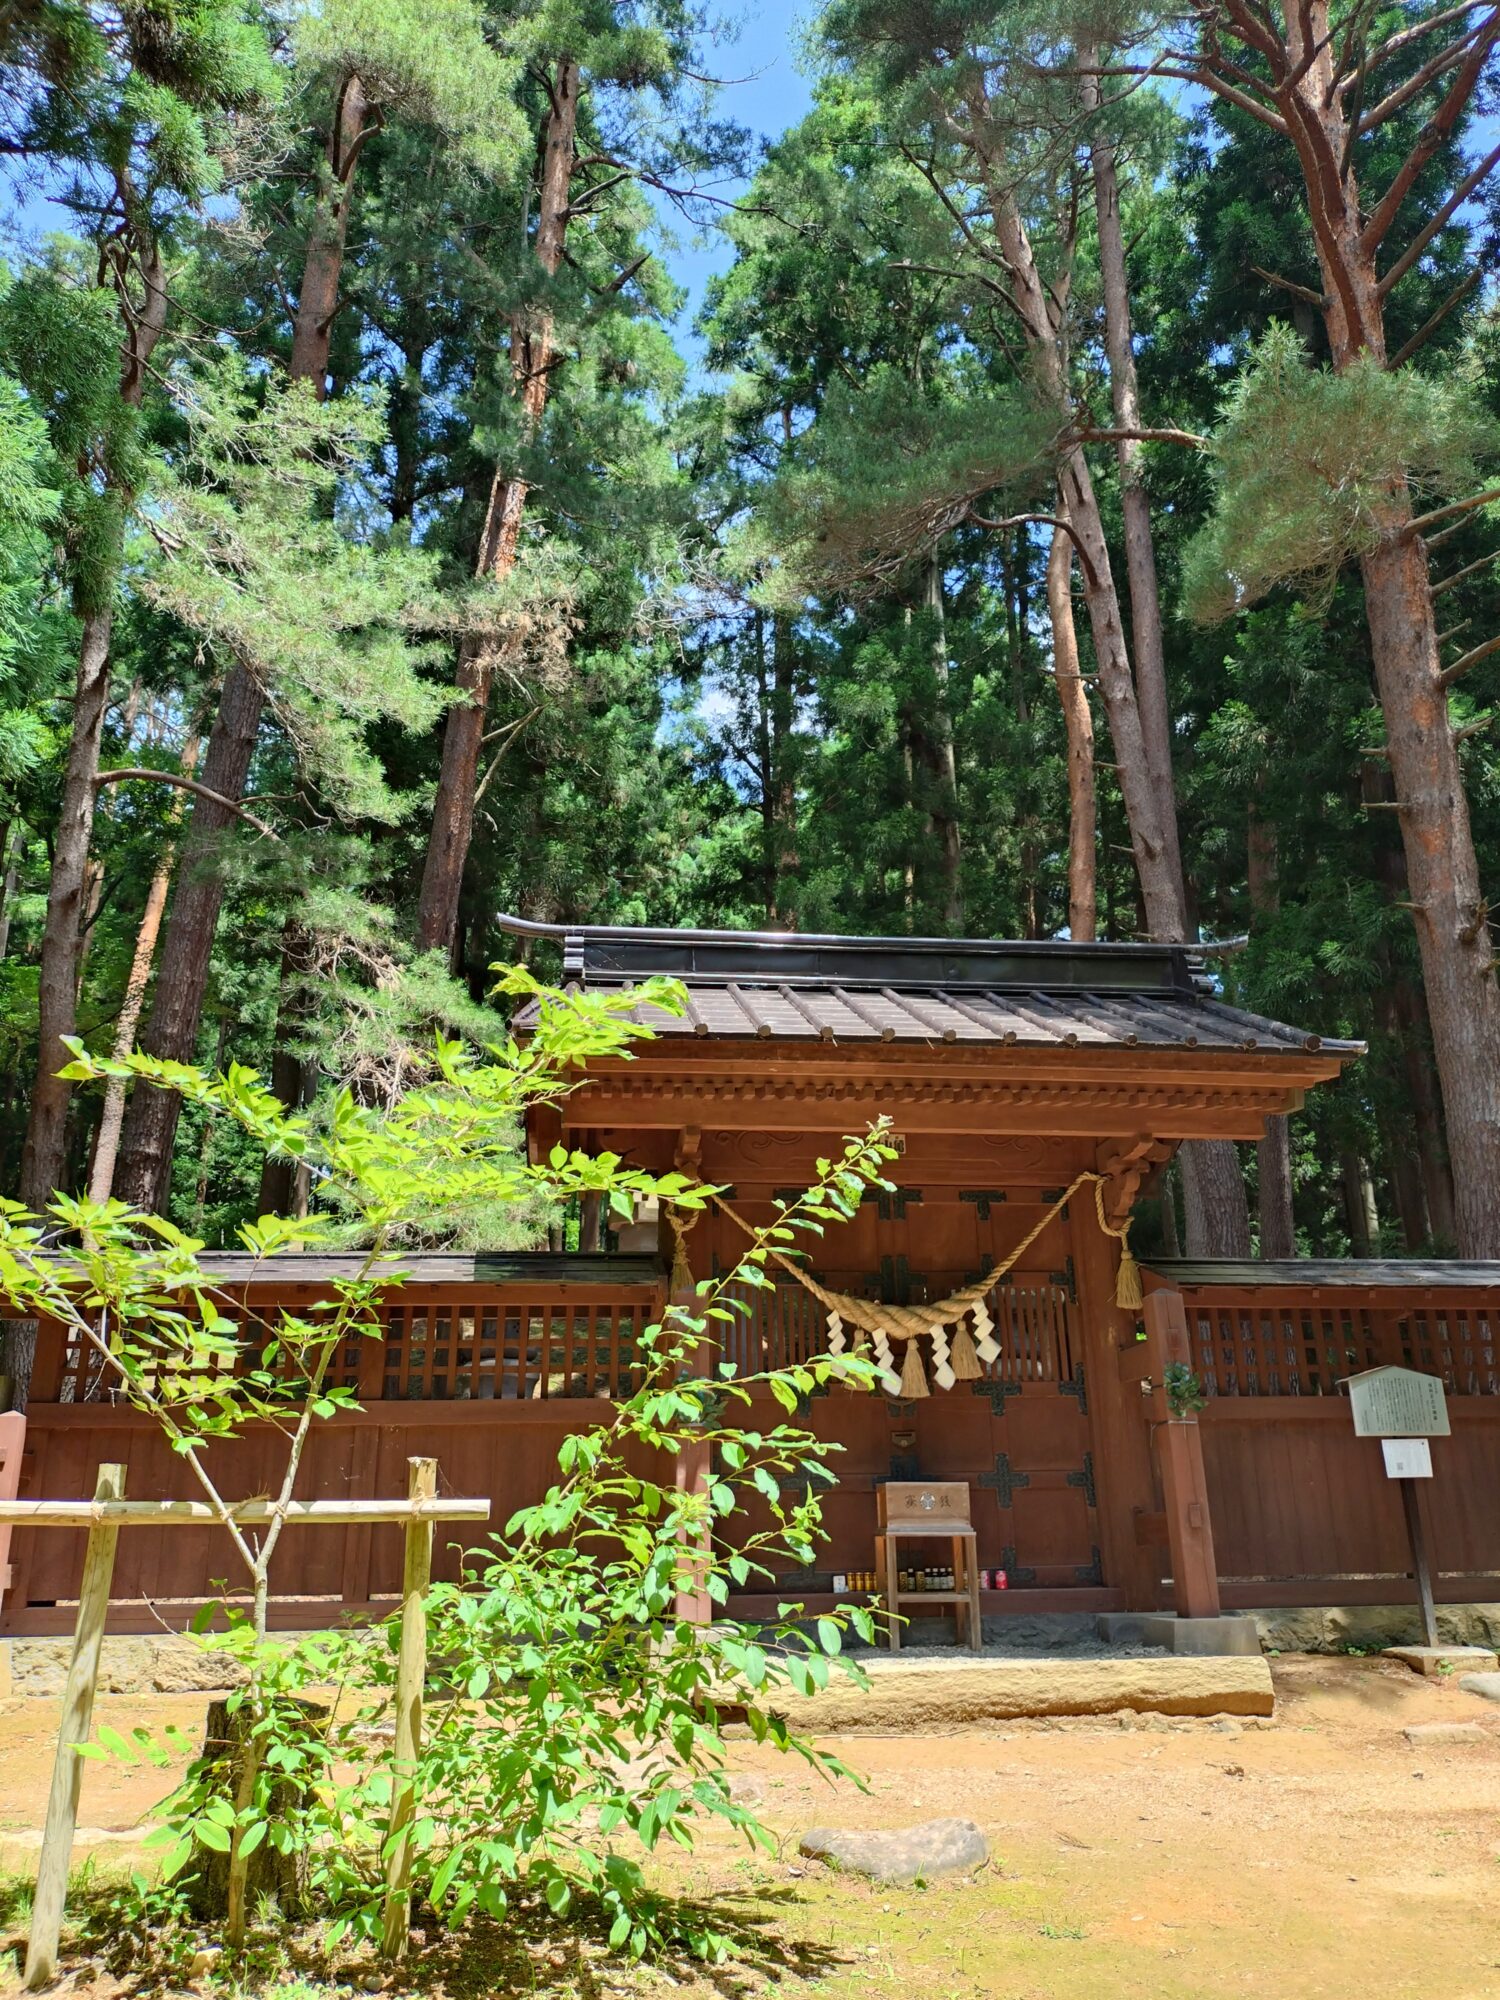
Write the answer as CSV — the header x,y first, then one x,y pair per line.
x,y
270,1875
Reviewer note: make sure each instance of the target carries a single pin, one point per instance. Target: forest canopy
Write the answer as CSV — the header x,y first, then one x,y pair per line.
x,y
1069,511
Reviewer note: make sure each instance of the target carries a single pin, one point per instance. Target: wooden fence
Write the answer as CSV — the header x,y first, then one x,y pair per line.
x,y
1302,1510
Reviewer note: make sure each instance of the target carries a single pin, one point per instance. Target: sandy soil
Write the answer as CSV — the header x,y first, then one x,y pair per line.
x,y
1321,1854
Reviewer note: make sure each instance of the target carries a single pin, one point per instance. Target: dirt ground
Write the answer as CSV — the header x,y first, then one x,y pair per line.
x,y
1319,1854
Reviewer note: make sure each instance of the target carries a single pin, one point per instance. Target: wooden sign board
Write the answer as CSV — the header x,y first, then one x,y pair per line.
x,y
1398,1402
937,1505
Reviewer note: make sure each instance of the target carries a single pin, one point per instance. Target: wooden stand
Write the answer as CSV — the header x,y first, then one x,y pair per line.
x,y
964,1546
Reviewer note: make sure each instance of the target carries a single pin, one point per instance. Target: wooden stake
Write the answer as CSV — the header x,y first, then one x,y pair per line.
x,y
77,1713
411,1673
1411,1508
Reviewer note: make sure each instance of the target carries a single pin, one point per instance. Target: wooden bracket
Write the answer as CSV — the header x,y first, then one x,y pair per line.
x,y
1126,1164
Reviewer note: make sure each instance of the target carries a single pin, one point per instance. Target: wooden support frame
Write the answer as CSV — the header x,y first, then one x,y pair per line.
x,y
104,1516
1190,1535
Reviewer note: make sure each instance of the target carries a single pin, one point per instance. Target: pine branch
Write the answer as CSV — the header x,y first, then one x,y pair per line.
x,y
1430,326
1470,659
1438,221
1290,285
119,776
1423,521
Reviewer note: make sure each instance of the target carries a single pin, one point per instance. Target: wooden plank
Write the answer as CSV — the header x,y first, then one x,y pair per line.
x,y
73,1730
411,1675
254,1513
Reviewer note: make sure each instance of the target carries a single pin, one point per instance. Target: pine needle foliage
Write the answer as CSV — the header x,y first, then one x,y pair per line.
x,y
1305,458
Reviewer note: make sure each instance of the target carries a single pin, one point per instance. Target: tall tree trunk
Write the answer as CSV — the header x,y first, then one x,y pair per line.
x,y
57,993
293,1077
1448,902
531,361
766,774
15,848
323,266
1421,1087
945,760
143,1171
1278,1231
786,860
1273,1155
1215,1203
1078,723
1147,649
144,1167
112,1116
1359,1203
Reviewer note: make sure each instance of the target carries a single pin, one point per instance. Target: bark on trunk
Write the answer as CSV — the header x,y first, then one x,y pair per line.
x,y
15,847
1273,1154
531,362
1213,1199
112,1117
143,1172
1421,1085
323,267
57,992
786,859
1359,1204
1078,722
293,1077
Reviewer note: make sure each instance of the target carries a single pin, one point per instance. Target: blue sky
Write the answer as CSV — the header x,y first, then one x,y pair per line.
x,y
767,93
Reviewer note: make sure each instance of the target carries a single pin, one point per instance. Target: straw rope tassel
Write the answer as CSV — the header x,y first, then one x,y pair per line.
x,y
913,1374
963,1362
1128,1295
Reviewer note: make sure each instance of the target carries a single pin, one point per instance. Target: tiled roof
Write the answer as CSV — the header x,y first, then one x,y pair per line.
x,y
1035,1018
1053,993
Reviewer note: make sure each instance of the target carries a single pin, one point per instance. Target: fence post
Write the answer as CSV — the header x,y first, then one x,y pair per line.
x,y
77,1713
411,1674
1190,1535
12,1447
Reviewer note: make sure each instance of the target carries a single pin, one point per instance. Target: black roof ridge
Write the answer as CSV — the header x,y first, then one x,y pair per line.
x,y
667,934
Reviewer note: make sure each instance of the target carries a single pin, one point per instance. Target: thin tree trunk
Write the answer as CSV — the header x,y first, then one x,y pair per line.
x,y
786,860
531,361
1171,1240
1278,1230
15,847
143,1171
1147,650
945,802
112,1116
766,773
1078,722
290,1068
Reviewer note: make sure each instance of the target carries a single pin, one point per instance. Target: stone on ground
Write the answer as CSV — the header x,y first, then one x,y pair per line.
x,y
1444,1732
901,1855
1486,1686
1434,1661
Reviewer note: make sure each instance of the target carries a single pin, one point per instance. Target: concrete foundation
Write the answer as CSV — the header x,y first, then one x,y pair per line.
x,y
1229,1636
